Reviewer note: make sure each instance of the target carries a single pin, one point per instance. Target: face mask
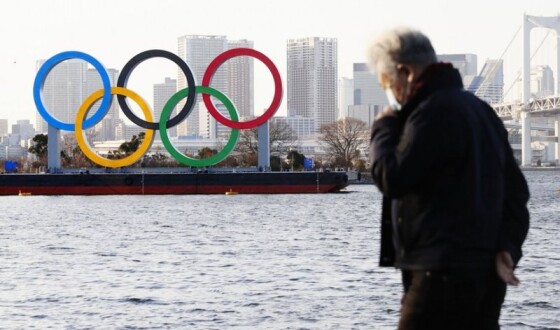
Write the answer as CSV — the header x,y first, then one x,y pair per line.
x,y
393,103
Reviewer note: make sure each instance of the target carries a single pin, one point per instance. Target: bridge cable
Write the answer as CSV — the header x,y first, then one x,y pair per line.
x,y
495,66
533,55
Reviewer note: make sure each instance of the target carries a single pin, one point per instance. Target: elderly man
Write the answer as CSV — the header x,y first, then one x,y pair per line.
x,y
454,213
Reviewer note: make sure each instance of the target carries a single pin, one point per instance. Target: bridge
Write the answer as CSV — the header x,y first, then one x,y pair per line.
x,y
547,106
528,107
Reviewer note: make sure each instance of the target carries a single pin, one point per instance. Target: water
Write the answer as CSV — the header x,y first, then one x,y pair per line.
x,y
231,262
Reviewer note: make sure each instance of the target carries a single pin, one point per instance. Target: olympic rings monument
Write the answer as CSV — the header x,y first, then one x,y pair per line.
x,y
164,122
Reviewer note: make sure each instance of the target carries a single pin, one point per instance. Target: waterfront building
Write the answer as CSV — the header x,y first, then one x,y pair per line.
x,y
24,129
302,127
106,128
66,87
210,128
240,80
3,127
198,51
345,96
364,112
312,79
367,90
63,91
368,97
489,84
541,82
162,93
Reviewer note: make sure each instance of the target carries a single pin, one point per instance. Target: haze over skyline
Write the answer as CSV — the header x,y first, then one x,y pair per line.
x,y
113,32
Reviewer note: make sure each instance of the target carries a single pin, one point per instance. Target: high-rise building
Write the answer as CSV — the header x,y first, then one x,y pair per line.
x,y
66,87
345,96
198,51
542,81
63,91
162,93
126,132
24,129
367,90
302,127
105,130
240,80
3,127
312,79
368,95
210,128
466,64
364,112
489,84
93,83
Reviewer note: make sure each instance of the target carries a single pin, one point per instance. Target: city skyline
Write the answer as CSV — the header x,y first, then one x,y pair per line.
x,y
364,89
114,41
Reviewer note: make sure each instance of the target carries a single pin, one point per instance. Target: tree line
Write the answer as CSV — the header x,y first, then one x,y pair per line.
x,y
344,142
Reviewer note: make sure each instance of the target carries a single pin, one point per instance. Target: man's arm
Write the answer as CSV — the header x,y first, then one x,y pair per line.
x,y
515,219
401,157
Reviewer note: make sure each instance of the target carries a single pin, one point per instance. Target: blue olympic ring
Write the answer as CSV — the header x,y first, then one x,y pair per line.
x,y
41,78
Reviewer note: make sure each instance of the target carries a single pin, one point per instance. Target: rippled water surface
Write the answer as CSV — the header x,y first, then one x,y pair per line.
x,y
223,262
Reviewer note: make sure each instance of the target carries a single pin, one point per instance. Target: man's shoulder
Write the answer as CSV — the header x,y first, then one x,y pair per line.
x,y
447,102
455,95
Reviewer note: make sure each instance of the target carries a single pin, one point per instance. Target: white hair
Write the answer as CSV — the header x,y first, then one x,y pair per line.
x,y
401,45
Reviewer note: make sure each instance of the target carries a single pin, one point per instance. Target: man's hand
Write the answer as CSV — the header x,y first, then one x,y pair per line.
x,y
504,267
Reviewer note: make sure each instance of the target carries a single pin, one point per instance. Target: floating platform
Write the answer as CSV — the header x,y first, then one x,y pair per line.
x,y
172,183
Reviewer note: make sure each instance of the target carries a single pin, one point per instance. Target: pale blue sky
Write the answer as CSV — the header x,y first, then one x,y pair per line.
x,y
114,31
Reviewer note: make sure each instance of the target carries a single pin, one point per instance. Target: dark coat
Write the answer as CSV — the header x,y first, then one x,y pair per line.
x,y
453,194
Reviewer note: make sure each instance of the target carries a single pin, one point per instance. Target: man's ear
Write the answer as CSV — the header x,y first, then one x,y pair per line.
x,y
402,67
407,70
383,79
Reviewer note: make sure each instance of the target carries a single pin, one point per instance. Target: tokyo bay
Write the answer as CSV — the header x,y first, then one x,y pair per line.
x,y
221,262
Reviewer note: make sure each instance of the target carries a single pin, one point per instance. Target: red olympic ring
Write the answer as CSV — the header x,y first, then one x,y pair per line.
x,y
276,100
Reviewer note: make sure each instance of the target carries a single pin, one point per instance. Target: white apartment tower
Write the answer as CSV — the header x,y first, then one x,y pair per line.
x,y
63,91
93,83
198,51
107,127
209,127
312,79
162,93
66,87
3,127
345,96
240,80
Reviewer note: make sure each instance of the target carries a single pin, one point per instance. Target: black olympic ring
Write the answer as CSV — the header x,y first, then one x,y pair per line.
x,y
135,61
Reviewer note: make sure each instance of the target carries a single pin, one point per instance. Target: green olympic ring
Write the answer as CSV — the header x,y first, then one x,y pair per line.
x,y
166,113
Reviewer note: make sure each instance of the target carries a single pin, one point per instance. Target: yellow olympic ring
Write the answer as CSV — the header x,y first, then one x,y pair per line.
x,y
82,112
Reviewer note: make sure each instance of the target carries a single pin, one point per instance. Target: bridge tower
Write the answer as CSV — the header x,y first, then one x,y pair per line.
x,y
530,22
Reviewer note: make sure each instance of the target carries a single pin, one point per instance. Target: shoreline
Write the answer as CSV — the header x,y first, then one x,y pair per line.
x,y
551,168
366,178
